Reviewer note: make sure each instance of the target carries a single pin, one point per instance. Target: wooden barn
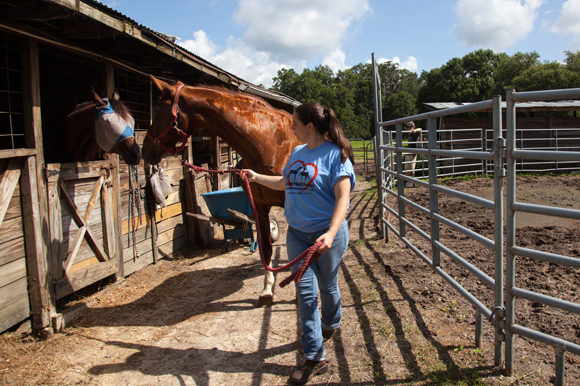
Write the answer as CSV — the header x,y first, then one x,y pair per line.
x,y
64,226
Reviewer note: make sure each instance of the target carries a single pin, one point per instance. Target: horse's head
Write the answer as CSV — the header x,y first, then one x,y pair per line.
x,y
166,130
114,129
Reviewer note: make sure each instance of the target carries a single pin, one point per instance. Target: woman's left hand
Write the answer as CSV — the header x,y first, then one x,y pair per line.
x,y
326,240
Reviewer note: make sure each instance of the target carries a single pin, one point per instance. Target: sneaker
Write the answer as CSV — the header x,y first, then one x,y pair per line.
x,y
308,370
327,334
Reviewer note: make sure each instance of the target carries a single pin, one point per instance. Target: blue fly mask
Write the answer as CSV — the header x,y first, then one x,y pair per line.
x,y
110,128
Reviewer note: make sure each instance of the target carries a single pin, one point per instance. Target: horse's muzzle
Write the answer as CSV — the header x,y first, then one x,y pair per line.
x,y
134,157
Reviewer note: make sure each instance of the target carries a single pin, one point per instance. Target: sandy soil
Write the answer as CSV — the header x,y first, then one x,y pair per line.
x,y
193,320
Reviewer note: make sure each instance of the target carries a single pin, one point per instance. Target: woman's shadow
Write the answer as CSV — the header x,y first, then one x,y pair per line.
x,y
195,363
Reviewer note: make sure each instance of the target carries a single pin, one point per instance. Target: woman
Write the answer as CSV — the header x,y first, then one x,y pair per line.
x,y
317,180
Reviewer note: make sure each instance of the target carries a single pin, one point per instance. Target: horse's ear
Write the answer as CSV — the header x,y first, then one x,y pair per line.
x,y
97,99
161,85
116,95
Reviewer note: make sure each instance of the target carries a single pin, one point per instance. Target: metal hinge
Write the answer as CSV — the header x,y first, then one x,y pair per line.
x,y
49,173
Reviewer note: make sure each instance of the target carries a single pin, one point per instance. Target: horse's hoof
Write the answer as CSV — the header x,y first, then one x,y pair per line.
x,y
265,300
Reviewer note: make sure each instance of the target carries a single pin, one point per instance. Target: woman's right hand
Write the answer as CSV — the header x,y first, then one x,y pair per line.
x,y
252,175
272,182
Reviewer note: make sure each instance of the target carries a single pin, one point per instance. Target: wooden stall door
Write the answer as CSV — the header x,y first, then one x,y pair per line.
x,y
14,303
83,218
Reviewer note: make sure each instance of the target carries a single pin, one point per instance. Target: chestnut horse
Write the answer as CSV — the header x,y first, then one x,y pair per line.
x,y
261,134
92,128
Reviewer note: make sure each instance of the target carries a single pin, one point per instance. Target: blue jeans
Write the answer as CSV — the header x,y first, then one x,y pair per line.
x,y
323,275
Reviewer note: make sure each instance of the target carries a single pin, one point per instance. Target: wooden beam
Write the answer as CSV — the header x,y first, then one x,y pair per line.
x,y
116,205
39,255
216,161
200,240
36,261
193,229
17,153
75,171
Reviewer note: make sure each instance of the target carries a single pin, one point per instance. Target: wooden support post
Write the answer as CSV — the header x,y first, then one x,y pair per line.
x,y
191,191
33,134
105,83
116,179
36,263
216,160
190,202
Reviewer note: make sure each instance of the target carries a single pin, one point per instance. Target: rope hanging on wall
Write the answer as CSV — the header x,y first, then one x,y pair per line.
x,y
135,206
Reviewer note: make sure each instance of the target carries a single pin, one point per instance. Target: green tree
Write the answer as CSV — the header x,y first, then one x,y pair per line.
x,y
546,76
401,104
509,67
573,65
287,82
467,79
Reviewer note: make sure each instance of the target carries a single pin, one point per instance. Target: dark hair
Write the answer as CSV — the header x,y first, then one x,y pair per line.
x,y
326,124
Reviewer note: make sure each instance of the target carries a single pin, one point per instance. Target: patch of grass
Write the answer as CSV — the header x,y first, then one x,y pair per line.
x,y
370,192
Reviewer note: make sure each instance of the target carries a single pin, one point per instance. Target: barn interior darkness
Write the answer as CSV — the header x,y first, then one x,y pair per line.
x,y
11,108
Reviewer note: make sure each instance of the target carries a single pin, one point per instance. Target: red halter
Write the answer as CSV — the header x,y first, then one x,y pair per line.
x,y
172,125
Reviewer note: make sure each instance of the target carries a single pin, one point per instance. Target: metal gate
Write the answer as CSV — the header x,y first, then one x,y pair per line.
x,y
83,214
391,182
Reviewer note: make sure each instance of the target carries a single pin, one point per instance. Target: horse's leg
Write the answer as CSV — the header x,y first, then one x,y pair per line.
x,y
267,295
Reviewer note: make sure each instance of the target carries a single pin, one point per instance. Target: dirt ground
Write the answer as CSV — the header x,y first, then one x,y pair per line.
x,y
193,320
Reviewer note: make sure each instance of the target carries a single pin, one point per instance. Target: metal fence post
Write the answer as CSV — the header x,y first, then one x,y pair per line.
x,y
484,148
510,229
433,194
400,181
498,181
560,366
378,151
478,329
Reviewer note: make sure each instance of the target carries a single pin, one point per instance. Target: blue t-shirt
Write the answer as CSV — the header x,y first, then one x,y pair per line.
x,y
310,176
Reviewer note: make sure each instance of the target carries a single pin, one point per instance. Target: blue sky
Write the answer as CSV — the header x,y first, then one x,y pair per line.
x,y
253,39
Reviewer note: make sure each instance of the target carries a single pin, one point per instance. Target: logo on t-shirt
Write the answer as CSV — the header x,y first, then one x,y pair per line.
x,y
301,175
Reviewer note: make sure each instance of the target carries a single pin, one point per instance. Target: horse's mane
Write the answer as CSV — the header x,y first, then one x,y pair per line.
x,y
120,109
236,93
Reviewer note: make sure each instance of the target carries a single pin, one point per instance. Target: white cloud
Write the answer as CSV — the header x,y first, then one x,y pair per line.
x,y
201,45
335,60
298,29
494,24
409,64
282,33
237,58
569,23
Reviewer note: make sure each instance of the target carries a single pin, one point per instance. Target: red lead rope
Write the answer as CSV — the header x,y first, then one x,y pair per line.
x,y
310,255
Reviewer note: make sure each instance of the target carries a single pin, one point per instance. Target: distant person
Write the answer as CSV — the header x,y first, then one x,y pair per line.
x,y
414,134
318,180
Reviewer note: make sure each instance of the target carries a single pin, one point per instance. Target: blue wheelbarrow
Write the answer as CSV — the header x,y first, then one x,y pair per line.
x,y
232,207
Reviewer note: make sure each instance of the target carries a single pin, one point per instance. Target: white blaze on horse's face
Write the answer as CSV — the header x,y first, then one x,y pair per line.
x,y
110,128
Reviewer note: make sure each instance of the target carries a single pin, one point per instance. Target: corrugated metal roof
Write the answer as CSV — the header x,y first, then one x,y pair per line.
x,y
520,105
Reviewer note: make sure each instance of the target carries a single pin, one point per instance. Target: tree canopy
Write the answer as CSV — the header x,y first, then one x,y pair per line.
x,y
475,77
